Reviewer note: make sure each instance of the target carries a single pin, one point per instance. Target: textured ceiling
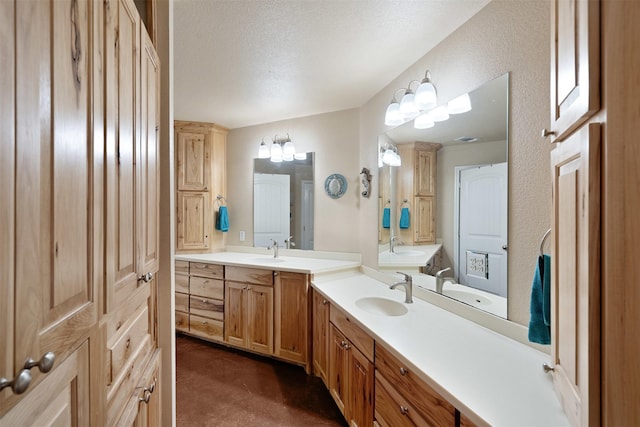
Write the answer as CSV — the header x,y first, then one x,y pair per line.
x,y
245,62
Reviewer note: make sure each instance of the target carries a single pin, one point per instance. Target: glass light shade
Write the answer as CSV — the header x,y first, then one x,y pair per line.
x,y
459,105
380,162
408,106
287,157
393,116
387,157
426,97
263,151
395,160
300,156
423,121
288,149
439,114
276,152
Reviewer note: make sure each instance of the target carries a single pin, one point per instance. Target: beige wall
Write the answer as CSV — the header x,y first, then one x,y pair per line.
x,y
505,36
335,140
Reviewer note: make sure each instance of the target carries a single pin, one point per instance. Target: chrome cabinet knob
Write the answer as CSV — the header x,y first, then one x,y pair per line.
x,y
403,371
45,364
547,133
547,368
404,410
146,278
19,384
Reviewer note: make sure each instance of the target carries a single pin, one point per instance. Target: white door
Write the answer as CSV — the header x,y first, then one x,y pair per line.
x,y
307,216
482,254
271,209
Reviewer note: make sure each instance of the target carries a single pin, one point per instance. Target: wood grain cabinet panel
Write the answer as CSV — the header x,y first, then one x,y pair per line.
x,y
320,337
193,220
193,160
206,287
292,316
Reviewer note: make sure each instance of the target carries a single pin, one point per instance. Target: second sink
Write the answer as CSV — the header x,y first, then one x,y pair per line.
x,y
382,306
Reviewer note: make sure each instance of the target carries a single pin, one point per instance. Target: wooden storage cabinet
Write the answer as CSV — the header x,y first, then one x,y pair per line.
x,y
292,316
320,342
143,408
200,178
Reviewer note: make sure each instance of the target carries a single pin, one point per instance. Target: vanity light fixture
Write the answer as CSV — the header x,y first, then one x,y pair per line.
x,y
264,152
389,155
412,103
426,96
281,149
408,106
423,121
459,105
393,116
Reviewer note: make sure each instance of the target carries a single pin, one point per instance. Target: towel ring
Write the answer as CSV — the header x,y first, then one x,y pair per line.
x,y
404,202
221,200
544,239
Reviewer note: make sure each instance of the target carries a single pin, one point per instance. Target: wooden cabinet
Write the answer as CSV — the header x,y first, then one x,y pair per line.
x,y
249,308
320,334
575,64
401,398
416,190
351,370
575,296
50,200
292,316
143,407
200,178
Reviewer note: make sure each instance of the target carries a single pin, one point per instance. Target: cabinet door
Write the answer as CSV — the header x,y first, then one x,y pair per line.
x,y
424,173
123,150
193,160
339,369
291,316
235,307
360,389
193,220
424,220
575,289
149,413
320,336
149,148
575,64
260,318
54,231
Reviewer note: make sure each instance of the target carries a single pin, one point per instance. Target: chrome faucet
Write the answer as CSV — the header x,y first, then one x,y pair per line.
x,y
274,246
393,242
440,280
408,287
289,242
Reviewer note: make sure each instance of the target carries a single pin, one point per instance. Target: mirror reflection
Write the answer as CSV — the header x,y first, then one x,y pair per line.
x,y
283,202
443,201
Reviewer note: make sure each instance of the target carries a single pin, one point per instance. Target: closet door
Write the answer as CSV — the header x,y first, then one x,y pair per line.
x,y
575,288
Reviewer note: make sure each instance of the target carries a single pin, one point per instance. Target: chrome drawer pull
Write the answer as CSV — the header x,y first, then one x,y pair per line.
x,y
19,384
403,371
547,368
404,410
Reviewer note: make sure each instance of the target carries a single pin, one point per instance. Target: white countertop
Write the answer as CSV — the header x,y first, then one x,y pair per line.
x,y
308,262
407,256
492,379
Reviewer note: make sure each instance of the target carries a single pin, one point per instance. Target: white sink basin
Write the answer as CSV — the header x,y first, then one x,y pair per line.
x,y
381,306
407,252
467,297
265,260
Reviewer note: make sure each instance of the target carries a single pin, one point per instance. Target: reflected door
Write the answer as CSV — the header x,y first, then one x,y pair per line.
x,y
482,255
271,208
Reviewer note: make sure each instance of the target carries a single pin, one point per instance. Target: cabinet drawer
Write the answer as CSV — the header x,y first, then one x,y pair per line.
x,y
211,308
206,270
206,287
352,331
182,321
392,410
182,283
250,275
207,328
182,267
128,342
430,404
182,302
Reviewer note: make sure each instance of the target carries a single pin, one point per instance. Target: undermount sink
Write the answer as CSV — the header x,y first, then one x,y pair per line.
x,y
407,252
381,306
265,260
467,297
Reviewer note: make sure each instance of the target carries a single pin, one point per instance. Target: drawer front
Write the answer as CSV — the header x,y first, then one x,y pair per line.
x,y
352,331
182,283
250,275
118,319
206,328
182,302
429,403
206,287
128,342
206,270
182,321
207,307
392,410
182,267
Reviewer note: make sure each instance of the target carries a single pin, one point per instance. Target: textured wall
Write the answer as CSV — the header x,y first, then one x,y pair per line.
x,y
505,36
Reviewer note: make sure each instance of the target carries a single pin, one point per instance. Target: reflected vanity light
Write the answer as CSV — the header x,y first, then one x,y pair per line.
x,y
389,156
439,114
459,105
281,150
423,121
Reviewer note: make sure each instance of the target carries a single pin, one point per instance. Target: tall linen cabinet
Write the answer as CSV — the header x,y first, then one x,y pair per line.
x,y
78,214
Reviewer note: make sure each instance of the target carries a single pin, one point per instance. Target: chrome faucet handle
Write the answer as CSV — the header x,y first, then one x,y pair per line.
x,y
441,272
407,277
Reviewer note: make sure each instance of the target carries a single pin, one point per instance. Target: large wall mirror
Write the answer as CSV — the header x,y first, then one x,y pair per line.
x,y
443,204
283,202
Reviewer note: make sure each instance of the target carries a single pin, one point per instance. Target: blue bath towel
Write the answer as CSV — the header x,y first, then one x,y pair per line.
x,y
386,218
222,221
404,218
539,329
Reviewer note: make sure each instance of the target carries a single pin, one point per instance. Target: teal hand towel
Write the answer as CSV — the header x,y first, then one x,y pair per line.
x,y
546,290
222,221
539,332
386,218
404,218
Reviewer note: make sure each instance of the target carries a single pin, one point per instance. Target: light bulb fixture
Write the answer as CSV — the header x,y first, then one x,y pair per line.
x,y
264,151
280,149
439,114
423,121
459,105
393,116
408,106
426,96
389,156
300,156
